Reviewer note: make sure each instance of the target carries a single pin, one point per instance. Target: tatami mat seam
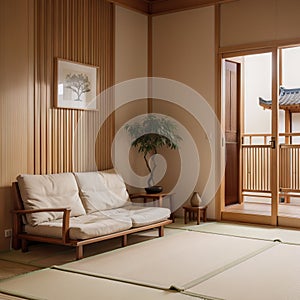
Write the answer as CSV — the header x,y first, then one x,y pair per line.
x,y
200,296
26,297
133,282
23,274
234,235
237,236
34,262
226,267
20,263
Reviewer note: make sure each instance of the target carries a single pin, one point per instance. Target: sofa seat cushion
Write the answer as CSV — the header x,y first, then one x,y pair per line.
x,y
139,215
101,190
49,191
82,227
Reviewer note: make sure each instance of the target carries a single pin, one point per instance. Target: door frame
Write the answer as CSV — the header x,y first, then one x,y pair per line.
x,y
273,218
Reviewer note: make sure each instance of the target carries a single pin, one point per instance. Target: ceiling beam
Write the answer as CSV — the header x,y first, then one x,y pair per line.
x,y
156,7
167,6
138,5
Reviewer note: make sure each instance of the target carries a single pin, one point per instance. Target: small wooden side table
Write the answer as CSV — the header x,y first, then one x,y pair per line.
x,y
194,211
152,197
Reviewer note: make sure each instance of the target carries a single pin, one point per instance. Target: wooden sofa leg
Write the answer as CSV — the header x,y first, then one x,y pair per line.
x,y
161,231
16,243
24,245
124,240
79,252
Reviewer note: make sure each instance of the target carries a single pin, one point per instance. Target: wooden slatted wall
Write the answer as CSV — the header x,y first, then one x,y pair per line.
x,y
80,31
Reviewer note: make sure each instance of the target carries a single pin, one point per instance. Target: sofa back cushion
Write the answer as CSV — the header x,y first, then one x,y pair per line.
x,y
49,191
101,190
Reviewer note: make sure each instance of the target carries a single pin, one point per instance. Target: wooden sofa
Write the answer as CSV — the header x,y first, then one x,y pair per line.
x,y
60,209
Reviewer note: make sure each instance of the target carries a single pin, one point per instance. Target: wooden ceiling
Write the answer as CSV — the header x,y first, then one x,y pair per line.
x,y
154,7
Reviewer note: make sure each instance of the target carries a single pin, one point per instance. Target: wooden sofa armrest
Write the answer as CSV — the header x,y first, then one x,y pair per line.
x,y
30,211
66,219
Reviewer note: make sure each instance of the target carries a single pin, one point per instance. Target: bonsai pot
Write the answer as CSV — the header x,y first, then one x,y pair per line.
x,y
154,189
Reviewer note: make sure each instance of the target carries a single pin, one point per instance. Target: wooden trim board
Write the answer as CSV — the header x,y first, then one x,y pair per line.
x,y
157,7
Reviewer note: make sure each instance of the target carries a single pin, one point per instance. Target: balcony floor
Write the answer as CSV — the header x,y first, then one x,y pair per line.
x,y
264,209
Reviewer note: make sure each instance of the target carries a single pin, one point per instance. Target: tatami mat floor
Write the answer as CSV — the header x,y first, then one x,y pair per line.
x,y
41,256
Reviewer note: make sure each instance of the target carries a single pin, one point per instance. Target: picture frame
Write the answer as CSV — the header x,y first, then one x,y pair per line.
x,y
75,85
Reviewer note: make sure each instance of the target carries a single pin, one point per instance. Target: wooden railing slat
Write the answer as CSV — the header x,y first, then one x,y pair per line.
x,y
256,169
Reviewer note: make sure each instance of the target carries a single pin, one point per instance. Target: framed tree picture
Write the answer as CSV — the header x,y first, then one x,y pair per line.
x,y
75,85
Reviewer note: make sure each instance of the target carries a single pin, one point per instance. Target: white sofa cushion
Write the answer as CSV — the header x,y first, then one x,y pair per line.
x,y
115,183
100,191
82,227
49,191
139,215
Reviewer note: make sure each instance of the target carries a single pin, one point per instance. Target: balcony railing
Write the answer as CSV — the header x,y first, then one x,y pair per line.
x,y
289,168
256,165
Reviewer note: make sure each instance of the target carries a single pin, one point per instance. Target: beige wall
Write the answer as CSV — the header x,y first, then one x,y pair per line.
x,y
131,61
183,50
16,129
131,55
252,21
131,42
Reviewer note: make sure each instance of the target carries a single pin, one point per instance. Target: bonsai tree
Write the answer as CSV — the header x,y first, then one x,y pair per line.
x,y
150,134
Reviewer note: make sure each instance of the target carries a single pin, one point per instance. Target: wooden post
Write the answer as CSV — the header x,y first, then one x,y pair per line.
x,y
274,140
220,195
288,140
287,123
